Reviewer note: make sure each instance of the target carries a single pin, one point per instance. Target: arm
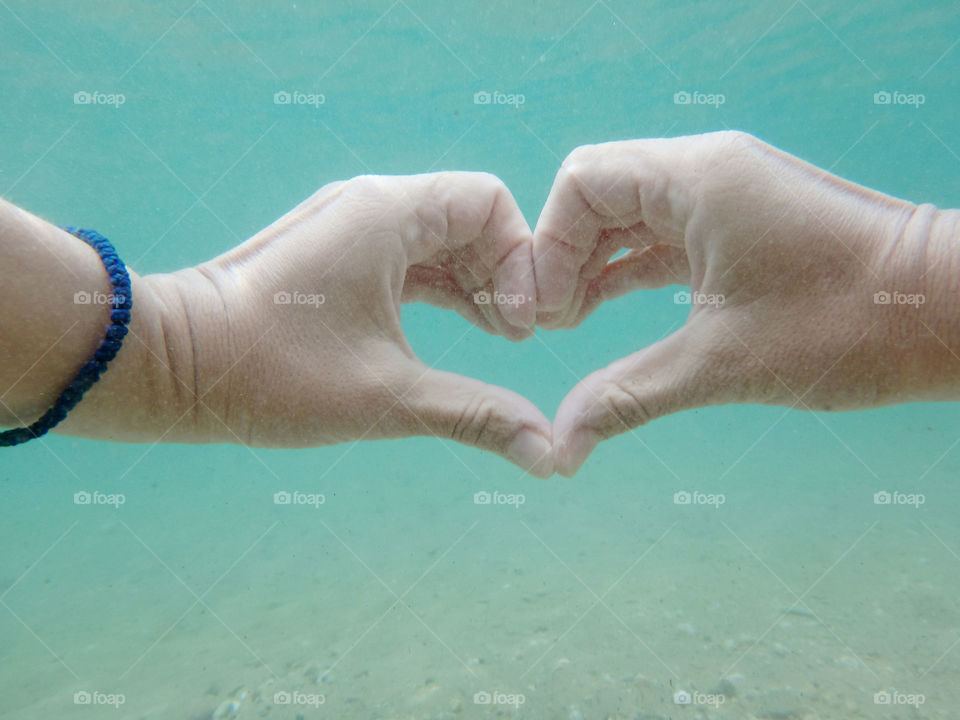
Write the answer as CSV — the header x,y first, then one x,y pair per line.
x,y
220,352
47,335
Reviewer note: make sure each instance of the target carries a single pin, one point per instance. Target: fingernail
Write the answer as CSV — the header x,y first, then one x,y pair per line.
x,y
532,451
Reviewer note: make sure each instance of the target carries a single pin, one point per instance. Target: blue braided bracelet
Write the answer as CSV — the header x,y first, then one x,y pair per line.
x,y
122,302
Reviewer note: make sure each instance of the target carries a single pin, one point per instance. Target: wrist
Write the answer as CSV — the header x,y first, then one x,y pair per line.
x,y
923,304
194,358
168,383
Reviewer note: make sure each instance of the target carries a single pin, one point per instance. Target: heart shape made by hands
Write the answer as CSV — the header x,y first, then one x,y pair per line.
x,y
784,264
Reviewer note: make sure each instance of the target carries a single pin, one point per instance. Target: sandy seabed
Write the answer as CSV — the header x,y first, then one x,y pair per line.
x,y
487,611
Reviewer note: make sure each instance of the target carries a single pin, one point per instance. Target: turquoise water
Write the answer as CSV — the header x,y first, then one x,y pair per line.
x,y
401,598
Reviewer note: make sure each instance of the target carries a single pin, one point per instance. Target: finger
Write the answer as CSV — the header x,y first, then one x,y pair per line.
x,y
592,267
515,288
672,375
612,186
514,283
473,217
489,302
648,269
474,413
564,238
437,287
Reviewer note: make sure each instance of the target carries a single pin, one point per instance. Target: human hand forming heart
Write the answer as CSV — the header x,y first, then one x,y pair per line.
x,y
796,279
293,338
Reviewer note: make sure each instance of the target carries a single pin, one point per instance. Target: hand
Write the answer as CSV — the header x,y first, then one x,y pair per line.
x,y
783,261
296,333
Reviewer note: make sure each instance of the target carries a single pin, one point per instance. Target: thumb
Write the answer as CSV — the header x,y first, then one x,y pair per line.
x,y
672,375
474,413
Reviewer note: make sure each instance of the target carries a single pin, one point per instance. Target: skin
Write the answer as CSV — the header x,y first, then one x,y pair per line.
x,y
796,254
213,358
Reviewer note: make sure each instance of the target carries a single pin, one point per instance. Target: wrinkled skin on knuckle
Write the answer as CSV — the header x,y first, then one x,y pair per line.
x,y
423,228
737,141
382,206
468,198
730,146
470,207
490,183
586,161
482,424
726,160
621,398
368,204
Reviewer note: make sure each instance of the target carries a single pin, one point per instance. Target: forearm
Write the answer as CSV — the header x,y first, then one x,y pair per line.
x,y
56,311
45,334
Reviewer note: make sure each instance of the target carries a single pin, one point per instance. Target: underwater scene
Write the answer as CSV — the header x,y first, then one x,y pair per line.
x,y
736,561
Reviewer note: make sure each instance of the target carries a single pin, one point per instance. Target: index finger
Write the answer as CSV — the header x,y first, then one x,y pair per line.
x,y
472,216
609,186
593,190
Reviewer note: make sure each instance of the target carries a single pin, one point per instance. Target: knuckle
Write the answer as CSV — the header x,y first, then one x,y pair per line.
x,y
481,424
489,181
363,187
426,223
733,144
375,203
737,137
459,187
625,408
591,172
579,171
579,159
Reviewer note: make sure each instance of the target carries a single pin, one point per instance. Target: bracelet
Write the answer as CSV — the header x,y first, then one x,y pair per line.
x,y
122,302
